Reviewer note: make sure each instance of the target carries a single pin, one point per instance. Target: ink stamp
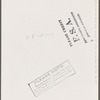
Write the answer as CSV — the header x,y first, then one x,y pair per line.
x,y
51,78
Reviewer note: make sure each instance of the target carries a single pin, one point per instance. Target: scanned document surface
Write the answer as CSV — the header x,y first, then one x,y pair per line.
x,y
49,50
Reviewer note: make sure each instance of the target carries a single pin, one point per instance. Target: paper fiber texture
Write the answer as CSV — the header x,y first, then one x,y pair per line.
x,y
49,50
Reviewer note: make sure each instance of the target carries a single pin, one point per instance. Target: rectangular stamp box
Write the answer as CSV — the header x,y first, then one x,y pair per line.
x,y
51,78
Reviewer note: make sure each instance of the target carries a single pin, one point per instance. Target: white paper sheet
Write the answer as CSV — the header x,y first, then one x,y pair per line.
x,y
49,50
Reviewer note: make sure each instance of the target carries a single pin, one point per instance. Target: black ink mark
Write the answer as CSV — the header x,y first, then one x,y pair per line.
x,y
78,27
74,19
83,25
69,22
62,25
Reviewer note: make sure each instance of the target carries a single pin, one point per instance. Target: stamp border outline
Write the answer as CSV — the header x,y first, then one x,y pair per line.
x,y
55,84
